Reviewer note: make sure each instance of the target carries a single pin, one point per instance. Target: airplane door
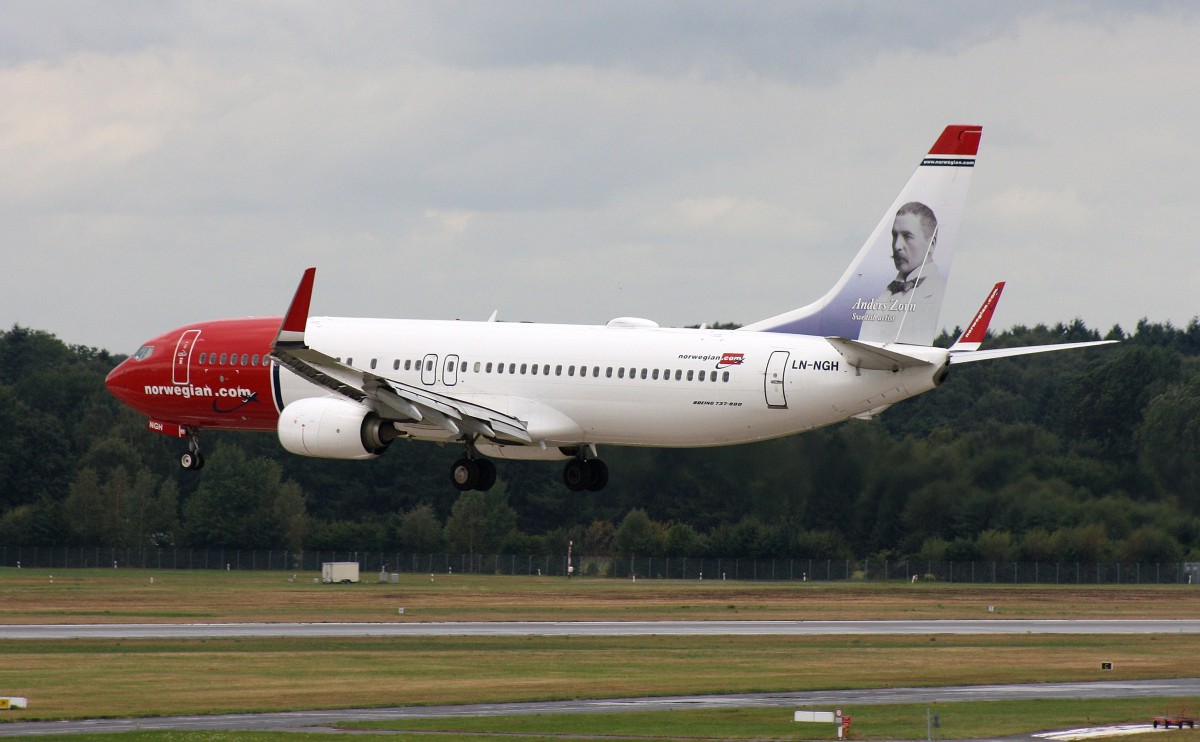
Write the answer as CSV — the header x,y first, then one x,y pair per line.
x,y
429,369
776,366
450,372
181,367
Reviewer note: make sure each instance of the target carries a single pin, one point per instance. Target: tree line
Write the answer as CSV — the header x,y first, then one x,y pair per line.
x,y
1083,456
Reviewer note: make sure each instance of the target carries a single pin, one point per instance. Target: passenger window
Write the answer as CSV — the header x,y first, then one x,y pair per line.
x,y
374,362
558,370
689,376
621,373
488,367
596,372
545,369
222,359
654,375
396,365
571,371
644,373
476,366
608,372
463,367
533,369
202,355
407,364
725,377
523,367
702,376
499,368
678,374
512,368
449,365
254,360
429,365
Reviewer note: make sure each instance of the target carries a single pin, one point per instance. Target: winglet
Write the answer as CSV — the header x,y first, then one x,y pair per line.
x,y
977,330
291,332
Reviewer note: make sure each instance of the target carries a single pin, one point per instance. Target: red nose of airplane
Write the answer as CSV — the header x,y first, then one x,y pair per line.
x,y
118,384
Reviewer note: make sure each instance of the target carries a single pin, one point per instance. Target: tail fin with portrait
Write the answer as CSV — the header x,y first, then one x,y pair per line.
x,y
892,292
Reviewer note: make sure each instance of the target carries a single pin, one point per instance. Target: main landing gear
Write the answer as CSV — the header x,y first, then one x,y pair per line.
x,y
585,474
192,459
470,473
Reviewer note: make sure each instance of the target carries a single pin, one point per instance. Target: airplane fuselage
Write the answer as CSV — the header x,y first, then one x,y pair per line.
x,y
569,384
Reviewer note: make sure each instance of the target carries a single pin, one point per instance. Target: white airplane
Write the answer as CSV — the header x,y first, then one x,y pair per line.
x,y
346,388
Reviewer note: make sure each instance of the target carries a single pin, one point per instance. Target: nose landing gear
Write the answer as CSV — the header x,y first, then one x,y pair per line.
x,y
192,459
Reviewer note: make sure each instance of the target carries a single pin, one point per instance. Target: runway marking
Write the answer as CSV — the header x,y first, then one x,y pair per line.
x,y
1067,735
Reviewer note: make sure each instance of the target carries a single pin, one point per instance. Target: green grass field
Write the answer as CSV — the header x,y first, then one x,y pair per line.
x,y
93,678
123,595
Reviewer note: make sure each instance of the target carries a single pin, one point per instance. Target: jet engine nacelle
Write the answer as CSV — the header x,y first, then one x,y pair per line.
x,y
332,428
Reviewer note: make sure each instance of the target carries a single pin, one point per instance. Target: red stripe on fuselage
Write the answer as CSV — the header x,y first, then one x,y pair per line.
x,y
226,383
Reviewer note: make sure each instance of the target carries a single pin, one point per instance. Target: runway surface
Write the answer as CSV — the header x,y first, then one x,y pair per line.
x,y
594,628
323,719
314,720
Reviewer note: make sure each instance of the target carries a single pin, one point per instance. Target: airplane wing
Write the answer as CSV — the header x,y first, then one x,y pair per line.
x,y
391,400
966,348
987,355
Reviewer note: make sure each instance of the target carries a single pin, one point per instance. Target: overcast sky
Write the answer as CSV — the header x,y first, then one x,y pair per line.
x,y
165,163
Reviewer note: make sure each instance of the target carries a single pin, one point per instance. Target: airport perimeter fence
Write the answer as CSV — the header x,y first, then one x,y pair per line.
x,y
386,564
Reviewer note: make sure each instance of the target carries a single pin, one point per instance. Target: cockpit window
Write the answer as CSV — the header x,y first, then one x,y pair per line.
x,y
143,352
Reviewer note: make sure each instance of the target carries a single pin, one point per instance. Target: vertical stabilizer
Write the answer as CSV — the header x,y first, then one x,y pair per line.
x,y
892,292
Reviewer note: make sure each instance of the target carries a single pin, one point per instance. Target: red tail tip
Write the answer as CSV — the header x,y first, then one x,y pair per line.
x,y
958,139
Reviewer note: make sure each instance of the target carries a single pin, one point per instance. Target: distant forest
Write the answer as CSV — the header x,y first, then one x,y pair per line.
x,y
1083,456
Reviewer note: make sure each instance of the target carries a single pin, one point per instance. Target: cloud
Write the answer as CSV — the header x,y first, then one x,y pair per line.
x,y
683,161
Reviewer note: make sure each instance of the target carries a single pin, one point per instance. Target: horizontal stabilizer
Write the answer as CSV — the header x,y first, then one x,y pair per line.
x,y
864,355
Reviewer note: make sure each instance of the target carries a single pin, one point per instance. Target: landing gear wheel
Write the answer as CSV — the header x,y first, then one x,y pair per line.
x,y
599,471
464,474
192,461
577,475
487,475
